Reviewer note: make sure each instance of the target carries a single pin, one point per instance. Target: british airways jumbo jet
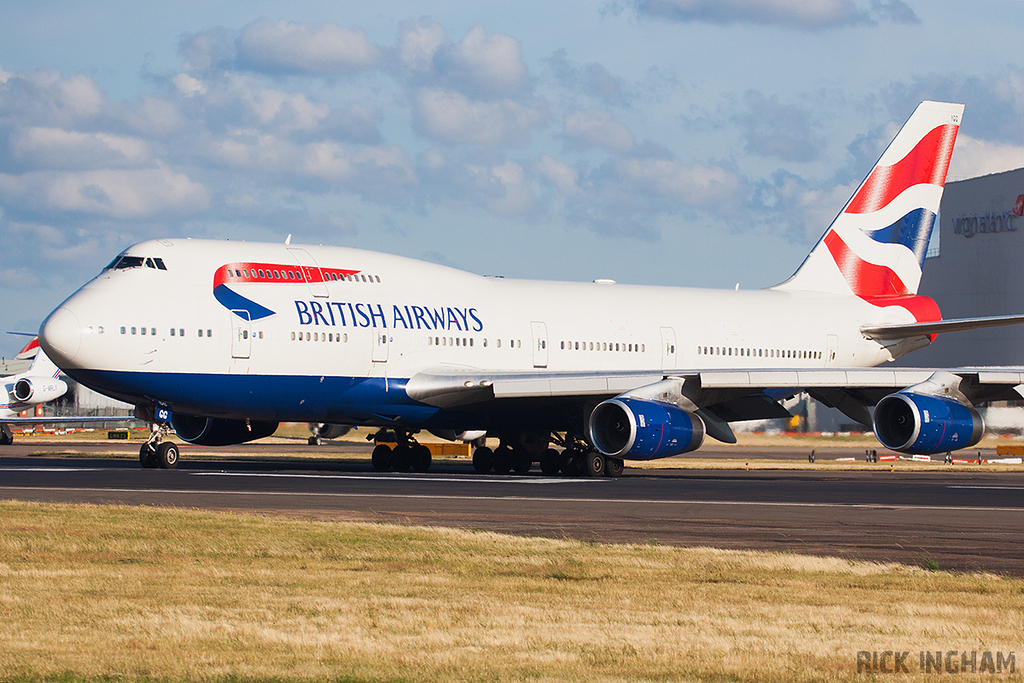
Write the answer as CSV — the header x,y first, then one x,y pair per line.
x,y
222,340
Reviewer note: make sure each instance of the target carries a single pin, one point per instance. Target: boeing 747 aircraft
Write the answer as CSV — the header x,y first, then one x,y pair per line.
x,y
222,340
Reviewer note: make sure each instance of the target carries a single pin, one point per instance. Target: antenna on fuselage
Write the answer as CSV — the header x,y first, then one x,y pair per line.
x,y
288,239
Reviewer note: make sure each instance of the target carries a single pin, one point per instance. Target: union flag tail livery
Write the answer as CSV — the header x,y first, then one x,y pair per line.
x,y
875,248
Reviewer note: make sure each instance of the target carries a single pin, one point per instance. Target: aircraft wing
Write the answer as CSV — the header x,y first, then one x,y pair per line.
x,y
939,326
729,395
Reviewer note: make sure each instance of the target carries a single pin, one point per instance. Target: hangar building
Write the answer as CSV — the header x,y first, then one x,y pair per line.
x,y
975,267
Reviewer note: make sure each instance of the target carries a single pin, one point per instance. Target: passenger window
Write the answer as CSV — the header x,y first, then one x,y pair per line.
x,y
172,331
122,330
200,332
143,331
209,333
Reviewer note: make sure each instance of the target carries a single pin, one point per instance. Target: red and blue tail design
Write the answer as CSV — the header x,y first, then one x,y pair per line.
x,y
875,248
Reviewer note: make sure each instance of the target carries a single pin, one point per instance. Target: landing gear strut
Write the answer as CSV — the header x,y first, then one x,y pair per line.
x,y
407,453
6,435
156,452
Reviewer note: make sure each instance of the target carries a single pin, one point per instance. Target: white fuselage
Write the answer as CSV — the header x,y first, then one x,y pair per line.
x,y
381,316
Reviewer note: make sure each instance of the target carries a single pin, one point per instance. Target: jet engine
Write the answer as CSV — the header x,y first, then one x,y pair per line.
x,y
211,431
635,429
922,424
38,389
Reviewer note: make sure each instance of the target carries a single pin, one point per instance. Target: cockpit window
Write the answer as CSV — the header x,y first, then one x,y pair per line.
x,y
127,261
124,261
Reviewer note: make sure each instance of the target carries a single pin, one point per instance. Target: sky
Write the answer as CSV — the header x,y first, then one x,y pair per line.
x,y
704,143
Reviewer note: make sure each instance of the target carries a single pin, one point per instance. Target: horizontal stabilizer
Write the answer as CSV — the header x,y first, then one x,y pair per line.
x,y
904,331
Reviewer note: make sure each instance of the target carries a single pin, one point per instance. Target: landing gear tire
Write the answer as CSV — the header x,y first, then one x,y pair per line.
x,y
503,460
382,457
167,455
402,455
315,441
6,435
613,467
549,462
572,463
521,461
483,460
147,457
420,458
595,464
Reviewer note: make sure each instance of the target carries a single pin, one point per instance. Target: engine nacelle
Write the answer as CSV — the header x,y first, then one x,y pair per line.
x,y
211,431
925,425
38,389
635,429
327,430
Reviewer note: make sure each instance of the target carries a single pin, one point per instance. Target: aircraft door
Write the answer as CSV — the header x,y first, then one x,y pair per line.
x,y
833,351
540,344
241,334
381,343
311,271
668,348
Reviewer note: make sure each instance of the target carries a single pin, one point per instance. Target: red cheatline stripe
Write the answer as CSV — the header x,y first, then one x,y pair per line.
x,y
926,163
276,272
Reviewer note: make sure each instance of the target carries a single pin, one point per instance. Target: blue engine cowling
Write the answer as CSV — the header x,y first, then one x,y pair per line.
x,y
634,429
212,431
925,425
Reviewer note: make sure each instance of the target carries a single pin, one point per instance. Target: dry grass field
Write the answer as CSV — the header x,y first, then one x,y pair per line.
x,y
148,594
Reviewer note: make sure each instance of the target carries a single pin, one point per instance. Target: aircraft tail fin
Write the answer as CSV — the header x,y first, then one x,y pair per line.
x,y
42,366
876,246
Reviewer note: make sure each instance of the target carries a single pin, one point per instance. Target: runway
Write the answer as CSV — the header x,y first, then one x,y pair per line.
x,y
963,520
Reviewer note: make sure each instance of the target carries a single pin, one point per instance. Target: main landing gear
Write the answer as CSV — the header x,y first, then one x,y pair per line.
x,y
406,454
6,435
156,452
577,459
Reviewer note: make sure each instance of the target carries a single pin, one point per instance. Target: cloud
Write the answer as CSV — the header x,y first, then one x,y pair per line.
x,y
55,148
485,64
478,66
690,184
593,80
500,186
994,102
799,14
597,128
417,44
973,157
453,118
772,129
123,194
324,49
561,175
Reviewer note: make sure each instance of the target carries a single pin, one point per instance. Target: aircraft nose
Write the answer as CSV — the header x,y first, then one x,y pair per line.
x,y
61,336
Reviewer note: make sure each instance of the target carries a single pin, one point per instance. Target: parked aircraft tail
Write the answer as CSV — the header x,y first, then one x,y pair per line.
x,y
875,248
